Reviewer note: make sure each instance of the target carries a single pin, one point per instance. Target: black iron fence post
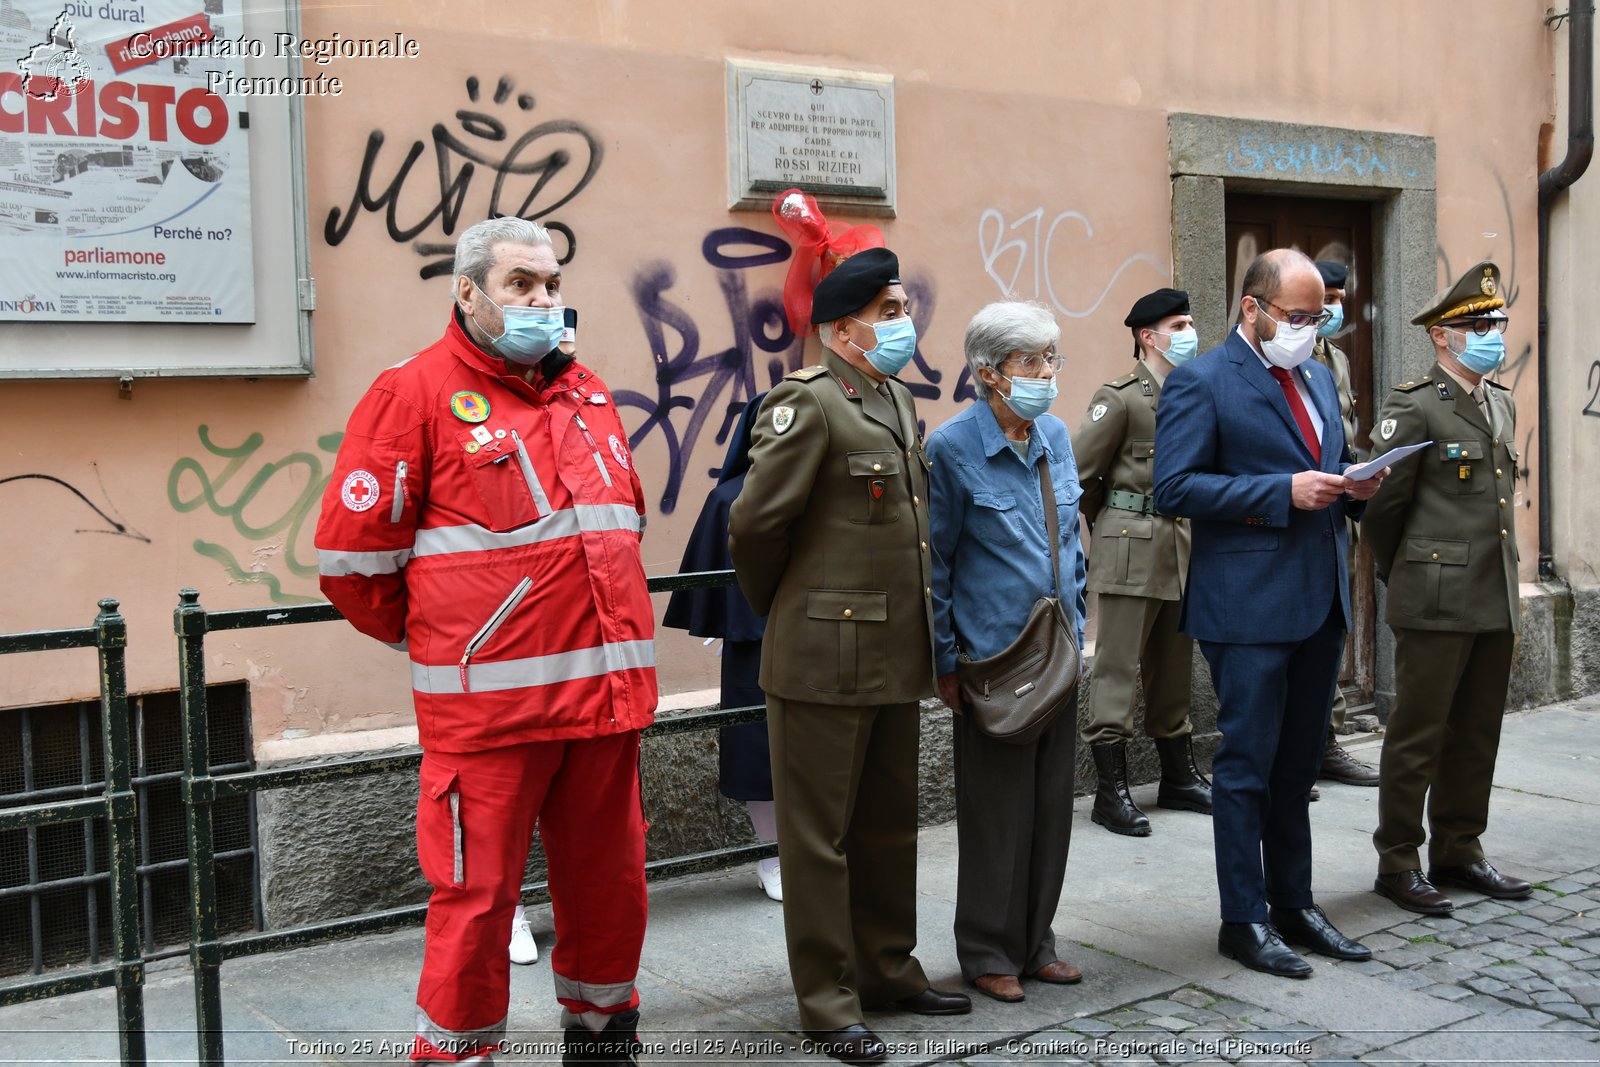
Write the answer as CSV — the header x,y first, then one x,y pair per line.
x,y
199,791
111,638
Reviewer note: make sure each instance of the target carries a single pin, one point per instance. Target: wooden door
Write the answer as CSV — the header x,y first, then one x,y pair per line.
x,y
1338,230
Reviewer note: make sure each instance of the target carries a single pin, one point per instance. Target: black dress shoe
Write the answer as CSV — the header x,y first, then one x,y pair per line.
x,y
1484,878
1310,928
1413,892
1258,947
933,1001
853,1044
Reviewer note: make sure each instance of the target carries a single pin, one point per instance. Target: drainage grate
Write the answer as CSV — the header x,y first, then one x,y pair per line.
x,y
55,897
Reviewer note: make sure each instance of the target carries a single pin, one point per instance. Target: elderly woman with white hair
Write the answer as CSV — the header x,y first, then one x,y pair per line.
x,y
991,562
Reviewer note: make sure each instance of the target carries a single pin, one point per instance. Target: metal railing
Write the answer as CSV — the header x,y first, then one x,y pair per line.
x,y
207,948
109,635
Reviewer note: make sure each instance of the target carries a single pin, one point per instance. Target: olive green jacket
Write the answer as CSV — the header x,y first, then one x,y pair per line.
x,y
829,538
1135,552
1443,526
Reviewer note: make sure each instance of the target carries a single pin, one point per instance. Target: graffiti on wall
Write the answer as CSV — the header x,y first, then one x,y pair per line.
x,y
1023,256
272,502
695,386
481,171
110,521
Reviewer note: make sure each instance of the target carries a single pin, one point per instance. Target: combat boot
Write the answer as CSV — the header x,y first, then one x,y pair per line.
x,y
617,1045
1113,804
1183,787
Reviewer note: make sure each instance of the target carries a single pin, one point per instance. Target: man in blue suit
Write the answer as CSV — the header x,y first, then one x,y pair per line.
x,y
1250,448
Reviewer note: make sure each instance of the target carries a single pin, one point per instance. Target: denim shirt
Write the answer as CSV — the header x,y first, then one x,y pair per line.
x,y
991,561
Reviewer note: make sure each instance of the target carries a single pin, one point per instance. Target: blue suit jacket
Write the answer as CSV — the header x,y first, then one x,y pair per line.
x,y
1261,571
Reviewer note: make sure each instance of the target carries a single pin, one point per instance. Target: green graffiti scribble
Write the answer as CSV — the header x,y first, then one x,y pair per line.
x,y
239,574
291,522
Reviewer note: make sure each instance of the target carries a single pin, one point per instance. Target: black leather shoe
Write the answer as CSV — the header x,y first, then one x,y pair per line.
x,y
1258,947
1310,928
1413,892
1484,878
933,1001
853,1044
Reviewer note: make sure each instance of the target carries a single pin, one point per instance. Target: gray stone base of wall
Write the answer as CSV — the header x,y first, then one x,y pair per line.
x,y
343,849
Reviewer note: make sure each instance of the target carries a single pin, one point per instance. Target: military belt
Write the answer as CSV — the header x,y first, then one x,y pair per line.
x,y
1139,502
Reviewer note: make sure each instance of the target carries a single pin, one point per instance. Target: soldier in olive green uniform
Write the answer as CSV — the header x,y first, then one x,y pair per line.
x,y
1138,562
829,538
1338,764
1444,537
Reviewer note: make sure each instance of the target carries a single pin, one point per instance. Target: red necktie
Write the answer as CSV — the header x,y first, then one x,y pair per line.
x,y
1298,407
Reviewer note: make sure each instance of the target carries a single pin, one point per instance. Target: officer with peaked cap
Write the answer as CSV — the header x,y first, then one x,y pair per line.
x,y
1338,764
830,540
1444,538
1137,564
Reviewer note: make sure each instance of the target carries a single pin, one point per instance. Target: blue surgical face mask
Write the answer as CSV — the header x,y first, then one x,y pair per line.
x,y
529,333
1030,397
1483,355
896,344
1333,325
1182,346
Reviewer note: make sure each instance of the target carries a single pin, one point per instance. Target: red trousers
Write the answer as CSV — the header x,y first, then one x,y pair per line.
x,y
475,822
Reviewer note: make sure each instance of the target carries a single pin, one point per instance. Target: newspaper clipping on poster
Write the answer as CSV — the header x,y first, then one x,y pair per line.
x,y
124,180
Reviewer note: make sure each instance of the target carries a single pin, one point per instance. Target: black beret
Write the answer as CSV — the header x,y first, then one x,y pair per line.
x,y
1153,307
853,284
1334,275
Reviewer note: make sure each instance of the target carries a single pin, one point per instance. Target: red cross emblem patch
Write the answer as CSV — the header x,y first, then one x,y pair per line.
x,y
360,490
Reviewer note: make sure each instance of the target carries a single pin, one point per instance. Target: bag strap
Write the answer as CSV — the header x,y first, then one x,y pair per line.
x,y
1052,522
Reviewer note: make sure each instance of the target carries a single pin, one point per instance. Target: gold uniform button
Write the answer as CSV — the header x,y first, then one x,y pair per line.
x,y
1498,473
1124,533
916,501
1152,452
1436,555
1503,535
924,546
848,613
1497,442
927,590
876,467
1502,501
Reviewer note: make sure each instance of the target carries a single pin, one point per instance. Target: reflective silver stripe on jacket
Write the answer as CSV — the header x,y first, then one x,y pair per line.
x,y
541,502
333,564
597,995
458,1041
568,522
535,670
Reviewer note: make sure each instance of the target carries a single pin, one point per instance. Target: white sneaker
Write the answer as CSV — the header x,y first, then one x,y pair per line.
x,y
771,880
523,948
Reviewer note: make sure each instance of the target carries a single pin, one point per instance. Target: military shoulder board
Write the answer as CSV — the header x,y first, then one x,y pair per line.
x,y
1407,387
1125,380
805,374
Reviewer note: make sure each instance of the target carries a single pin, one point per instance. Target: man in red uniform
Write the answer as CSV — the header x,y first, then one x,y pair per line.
x,y
484,515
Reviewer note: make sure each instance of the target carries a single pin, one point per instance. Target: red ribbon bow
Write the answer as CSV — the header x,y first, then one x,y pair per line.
x,y
819,246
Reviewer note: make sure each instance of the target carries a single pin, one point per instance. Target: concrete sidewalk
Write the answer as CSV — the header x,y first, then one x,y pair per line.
x,y
1500,983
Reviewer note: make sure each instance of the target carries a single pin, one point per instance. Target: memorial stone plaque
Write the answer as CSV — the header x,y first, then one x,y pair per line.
x,y
827,132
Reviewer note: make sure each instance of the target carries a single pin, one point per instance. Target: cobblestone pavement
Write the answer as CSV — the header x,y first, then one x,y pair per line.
x,y
1523,976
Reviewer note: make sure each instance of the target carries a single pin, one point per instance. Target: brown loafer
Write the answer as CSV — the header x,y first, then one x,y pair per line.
x,y
1060,973
1413,892
1002,987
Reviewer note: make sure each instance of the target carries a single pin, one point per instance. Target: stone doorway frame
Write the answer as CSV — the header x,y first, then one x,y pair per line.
x,y
1213,155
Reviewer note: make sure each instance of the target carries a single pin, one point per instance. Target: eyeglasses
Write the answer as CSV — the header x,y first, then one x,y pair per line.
x,y
1034,362
1481,327
1296,319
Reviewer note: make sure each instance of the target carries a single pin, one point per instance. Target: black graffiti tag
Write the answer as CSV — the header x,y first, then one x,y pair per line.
x,y
540,171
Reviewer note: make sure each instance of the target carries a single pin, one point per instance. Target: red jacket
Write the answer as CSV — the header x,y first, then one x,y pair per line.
x,y
494,528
